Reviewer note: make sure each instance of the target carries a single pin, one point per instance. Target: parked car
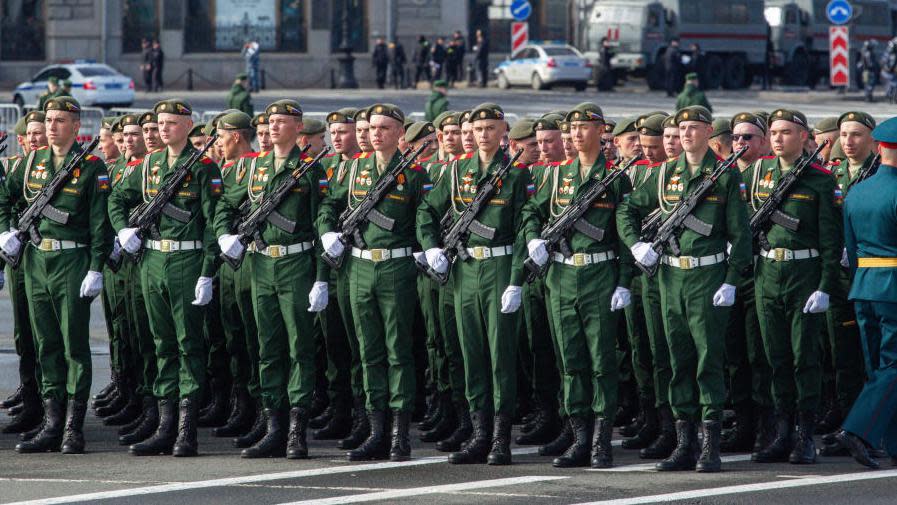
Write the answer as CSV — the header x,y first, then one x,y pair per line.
x,y
93,84
543,66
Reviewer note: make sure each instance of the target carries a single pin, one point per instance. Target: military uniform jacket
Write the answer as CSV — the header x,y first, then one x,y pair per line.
x,y
503,212
256,176
198,195
844,181
399,204
870,221
641,172
564,185
812,201
83,198
722,209
234,176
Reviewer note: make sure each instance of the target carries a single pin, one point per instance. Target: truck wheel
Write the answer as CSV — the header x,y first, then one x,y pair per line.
x,y
656,76
503,82
797,72
537,83
713,72
735,73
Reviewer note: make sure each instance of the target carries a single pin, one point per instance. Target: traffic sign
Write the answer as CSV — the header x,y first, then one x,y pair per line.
x,y
519,35
839,11
521,9
839,56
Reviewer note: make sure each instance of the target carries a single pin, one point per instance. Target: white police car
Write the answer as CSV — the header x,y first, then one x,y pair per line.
x,y
544,65
93,84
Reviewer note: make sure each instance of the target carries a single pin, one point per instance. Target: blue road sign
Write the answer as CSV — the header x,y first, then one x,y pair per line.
x,y
838,11
521,9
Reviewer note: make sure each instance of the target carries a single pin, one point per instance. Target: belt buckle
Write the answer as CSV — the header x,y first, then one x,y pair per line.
x,y
685,262
276,251
479,252
378,255
166,245
46,244
778,254
579,259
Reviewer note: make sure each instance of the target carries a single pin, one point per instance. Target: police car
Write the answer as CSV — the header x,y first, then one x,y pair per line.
x,y
544,65
93,84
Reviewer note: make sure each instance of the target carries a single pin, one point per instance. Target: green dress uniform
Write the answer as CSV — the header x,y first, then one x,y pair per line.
x,y
796,265
238,98
436,104
581,287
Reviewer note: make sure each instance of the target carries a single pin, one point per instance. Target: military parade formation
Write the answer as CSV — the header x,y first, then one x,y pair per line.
x,y
693,285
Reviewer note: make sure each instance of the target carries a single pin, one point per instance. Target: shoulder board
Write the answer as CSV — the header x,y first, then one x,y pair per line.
x,y
331,155
251,155
206,160
362,155
822,169
417,167
134,163
229,164
465,156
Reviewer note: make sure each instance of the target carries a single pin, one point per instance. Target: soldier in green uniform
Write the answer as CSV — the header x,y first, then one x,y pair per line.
x,y
586,291
826,129
62,274
844,347
695,310
262,133
468,142
238,97
313,134
548,135
288,288
672,144
721,140
794,276
176,275
485,318
52,92
691,94
381,275
438,102
27,399
149,125
747,367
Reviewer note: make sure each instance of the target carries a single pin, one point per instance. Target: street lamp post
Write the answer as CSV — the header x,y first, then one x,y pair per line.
x,y
346,61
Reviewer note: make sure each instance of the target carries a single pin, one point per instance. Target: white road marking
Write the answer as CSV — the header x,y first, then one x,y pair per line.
x,y
649,467
748,488
419,491
246,479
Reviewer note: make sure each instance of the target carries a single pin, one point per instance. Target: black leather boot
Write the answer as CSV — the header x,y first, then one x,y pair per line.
x,y
544,430
857,449
49,438
663,445
602,452
339,425
804,452
649,430
830,422
709,461
477,448
742,436
31,414
462,432
297,448
73,439
578,452
13,399
777,450
765,429
445,424
216,412
256,432
162,441
632,429
241,415
434,412
274,443
107,389
148,424
185,446
361,427
401,439
129,412
115,402
28,435
561,443
501,441
376,446
319,422
685,455
319,402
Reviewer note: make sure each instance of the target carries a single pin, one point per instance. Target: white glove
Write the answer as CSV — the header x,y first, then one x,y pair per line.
x,y
728,248
844,261
116,250
620,299
203,291
817,303
510,299
10,243
92,284
644,254
724,296
230,246
129,240
537,251
317,297
332,243
437,260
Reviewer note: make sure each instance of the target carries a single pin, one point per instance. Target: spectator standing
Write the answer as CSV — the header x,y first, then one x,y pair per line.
x,y
147,66
239,97
438,59
398,59
869,68
451,62
157,62
697,63
250,53
481,50
422,60
380,60
672,62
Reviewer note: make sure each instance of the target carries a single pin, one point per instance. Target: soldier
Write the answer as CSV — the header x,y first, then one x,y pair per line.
x,y
262,134
844,346
587,345
238,97
569,150
381,283
183,255
117,135
796,273
484,319
287,286
468,142
313,134
438,102
149,124
672,145
448,136
198,137
694,315
721,139
363,131
52,92
691,94
24,405
107,145
826,129
872,255
549,137
607,140
650,138
62,274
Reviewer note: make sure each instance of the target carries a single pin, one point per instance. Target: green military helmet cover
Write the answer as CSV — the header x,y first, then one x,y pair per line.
x,y
609,125
344,115
173,106
694,113
440,83
236,120
487,110
260,118
63,103
464,116
197,131
793,116
108,122
148,117
625,125
721,126
21,127
361,115
129,120
419,130
858,116
311,126
388,110
564,126
549,122
750,118
586,111
523,129
669,122
117,126
651,125
446,118
286,107
35,116
826,125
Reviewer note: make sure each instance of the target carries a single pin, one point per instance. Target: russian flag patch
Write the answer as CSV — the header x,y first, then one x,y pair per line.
x,y
216,185
428,187
103,182
531,188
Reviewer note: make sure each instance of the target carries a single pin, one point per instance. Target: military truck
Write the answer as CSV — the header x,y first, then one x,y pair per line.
x,y
732,35
799,31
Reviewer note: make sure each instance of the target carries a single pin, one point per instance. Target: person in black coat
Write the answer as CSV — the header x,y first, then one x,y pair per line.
x,y
439,57
380,60
157,61
398,59
147,66
421,59
672,62
481,51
